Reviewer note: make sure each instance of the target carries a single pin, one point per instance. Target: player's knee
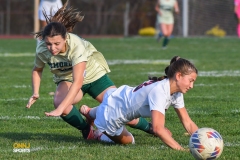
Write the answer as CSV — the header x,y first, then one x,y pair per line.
x,y
57,101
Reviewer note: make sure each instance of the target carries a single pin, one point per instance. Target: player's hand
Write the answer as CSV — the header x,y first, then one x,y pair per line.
x,y
185,149
54,113
32,99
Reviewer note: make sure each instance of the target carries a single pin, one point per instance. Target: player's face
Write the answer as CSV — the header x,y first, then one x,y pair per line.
x,y
55,44
185,82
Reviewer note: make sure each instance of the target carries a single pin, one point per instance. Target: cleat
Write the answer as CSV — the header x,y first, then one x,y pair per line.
x,y
88,133
84,110
97,135
91,134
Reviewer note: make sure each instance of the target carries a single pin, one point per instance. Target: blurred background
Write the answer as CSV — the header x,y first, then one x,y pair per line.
x,y
126,17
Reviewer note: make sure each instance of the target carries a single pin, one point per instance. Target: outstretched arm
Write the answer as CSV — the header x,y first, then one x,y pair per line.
x,y
157,9
158,121
36,79
176,8
78,76
187,122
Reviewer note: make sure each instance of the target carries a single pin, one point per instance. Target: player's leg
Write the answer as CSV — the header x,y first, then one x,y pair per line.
x,y
165,34
71,115
160,34
141,124
168,28
124,138
96,90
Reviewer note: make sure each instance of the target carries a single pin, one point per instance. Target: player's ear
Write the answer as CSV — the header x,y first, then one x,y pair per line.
x,y
178,76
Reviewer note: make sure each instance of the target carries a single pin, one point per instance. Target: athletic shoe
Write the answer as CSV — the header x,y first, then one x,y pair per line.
x,y
97,135
91,134
88,133
164,48
84,110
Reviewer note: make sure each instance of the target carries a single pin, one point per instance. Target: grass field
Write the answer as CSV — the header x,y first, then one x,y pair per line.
x,y
214,101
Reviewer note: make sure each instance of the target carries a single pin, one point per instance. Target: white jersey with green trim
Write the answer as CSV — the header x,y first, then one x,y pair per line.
x,y
166,9
78,50
127,103
167,6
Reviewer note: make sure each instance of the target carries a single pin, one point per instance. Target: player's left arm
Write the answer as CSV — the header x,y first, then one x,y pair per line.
x,y
187,122
176,7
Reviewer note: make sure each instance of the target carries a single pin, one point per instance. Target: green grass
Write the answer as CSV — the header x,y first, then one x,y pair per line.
x,y
214,101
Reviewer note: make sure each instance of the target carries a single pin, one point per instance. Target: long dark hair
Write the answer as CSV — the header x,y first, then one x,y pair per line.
x,y
177,64
63,21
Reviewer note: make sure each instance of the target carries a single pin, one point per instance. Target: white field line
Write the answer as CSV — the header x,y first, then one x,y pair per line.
x,y
140,61
21,86
225,73
41,98
41,148
17,54
35,149
235,73
211,85
22,99
26,117
7,117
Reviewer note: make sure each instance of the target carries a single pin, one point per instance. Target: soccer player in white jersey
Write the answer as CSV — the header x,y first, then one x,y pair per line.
x,y
77,66
150,99
50,7
165,18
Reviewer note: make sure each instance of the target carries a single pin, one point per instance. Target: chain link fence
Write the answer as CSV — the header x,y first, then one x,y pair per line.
x,y
17,17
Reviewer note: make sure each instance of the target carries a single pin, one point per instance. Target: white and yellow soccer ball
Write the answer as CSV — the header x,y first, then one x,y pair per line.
x,y
206,143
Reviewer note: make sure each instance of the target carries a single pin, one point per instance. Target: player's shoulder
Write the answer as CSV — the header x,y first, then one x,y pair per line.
x,y
41,47
74,40
74,37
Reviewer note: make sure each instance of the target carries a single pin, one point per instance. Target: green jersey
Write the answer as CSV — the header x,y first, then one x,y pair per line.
x,y
78,50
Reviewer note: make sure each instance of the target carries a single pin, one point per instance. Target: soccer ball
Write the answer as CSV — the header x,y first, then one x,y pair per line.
x,y
206,143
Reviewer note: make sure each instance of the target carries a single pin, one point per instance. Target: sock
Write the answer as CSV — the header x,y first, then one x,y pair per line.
x,y
142,125
159,36
92,112
105,138
238,30
75,119
165,41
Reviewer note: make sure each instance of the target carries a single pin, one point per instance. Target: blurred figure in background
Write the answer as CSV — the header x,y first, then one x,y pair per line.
x,y
50,7
237,12
165,18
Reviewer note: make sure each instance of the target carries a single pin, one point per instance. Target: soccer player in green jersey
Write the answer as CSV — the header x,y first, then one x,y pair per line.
x,y
165,17
77,66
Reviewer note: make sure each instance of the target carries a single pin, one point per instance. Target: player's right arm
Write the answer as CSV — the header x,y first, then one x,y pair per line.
x,y
36,79
157,8
158,121
176,8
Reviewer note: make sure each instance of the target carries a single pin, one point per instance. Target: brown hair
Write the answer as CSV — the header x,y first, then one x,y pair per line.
x,y
177,64
63,21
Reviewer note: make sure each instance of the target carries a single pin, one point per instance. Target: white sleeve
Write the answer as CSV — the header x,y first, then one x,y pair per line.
x,y
157,100
177,100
